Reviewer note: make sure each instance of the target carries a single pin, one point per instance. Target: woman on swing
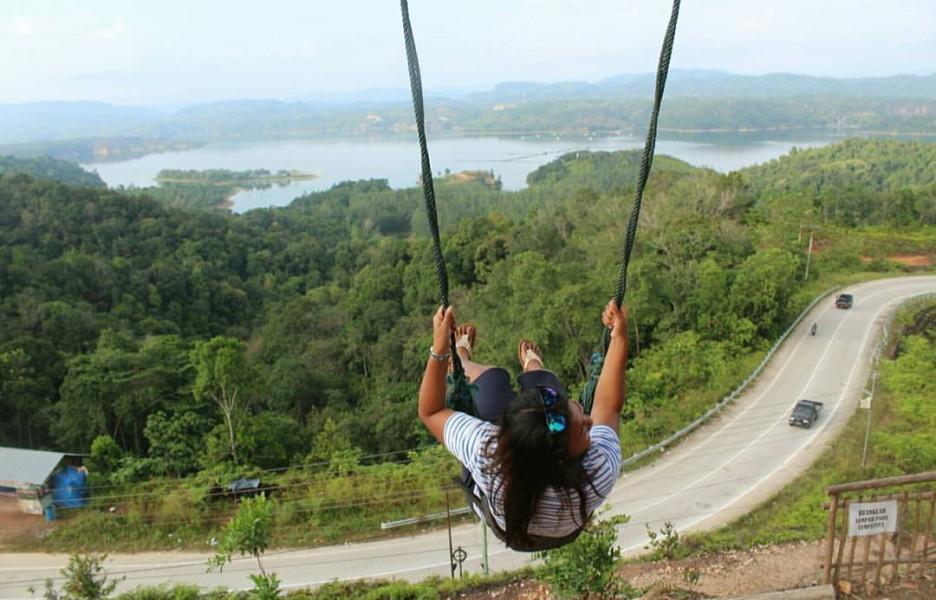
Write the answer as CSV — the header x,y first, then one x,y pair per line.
x,y
537,464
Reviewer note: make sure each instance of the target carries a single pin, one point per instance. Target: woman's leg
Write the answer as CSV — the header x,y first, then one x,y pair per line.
x,y
534,373
493,389
464,346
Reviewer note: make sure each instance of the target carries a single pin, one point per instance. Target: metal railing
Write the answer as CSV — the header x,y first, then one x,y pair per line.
x,y
885,337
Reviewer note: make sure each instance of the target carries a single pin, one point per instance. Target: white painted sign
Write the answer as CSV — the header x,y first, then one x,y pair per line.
x,y
872,518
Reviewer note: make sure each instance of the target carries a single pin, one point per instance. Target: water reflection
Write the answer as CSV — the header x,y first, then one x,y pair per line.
x,y
397,160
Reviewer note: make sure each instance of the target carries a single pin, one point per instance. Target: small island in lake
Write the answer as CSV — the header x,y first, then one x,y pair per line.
x,y
213,188
254,178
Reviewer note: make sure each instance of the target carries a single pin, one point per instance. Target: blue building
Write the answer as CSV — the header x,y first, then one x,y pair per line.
x,y
43,481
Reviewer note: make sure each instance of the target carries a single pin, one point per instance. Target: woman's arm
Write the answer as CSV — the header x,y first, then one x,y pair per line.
x,y
432,408
610,391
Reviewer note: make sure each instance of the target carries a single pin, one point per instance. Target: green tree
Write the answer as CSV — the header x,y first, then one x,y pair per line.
x,y
763,287
249,533
333,446
271,441
18,396
176,443
106,455
113,389
222,377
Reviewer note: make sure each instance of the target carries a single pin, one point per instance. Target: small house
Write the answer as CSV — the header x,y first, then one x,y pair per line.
x,y
43,481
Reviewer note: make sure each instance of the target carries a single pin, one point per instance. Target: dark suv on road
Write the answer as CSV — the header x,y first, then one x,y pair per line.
x,y
805,413
844,301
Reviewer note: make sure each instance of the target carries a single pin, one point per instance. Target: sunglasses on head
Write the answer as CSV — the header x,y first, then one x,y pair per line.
x,y
555,421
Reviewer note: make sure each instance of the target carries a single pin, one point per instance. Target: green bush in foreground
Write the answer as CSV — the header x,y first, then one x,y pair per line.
x,y
249,532
85,579
588,566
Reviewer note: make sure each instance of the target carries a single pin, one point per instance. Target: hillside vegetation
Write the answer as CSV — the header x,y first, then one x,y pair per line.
x,y
123,321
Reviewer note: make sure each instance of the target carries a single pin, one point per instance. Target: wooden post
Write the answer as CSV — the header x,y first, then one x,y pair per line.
x,y
914,533
830,539
905,506
865,554
882,557
842,540
854,542
926,535
841,544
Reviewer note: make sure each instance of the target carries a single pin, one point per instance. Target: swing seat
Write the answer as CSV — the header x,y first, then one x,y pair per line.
x,y
480,505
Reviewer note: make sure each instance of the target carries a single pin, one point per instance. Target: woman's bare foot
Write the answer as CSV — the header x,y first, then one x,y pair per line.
x,y
465,339
530,356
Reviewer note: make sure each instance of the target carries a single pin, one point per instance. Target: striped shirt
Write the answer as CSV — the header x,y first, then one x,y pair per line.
x,y
467,437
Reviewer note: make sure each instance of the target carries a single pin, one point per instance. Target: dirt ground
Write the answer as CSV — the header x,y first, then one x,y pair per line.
x,y
912,260
728,575
14,524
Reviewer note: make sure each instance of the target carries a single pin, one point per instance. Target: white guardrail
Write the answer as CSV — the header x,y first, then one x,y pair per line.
x,y
885,337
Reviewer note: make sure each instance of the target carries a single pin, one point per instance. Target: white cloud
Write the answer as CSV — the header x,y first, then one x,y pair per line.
x,y
116,30
24,27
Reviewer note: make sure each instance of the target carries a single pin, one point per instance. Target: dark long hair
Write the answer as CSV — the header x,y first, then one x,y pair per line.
x,y
528,459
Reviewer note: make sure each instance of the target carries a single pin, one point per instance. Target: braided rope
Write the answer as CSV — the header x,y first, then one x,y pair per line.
x,y
588,393
461,394
428,189
587,396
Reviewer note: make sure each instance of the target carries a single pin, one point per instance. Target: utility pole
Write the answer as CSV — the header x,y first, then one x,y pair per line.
x,y
486,568
808,257
864,452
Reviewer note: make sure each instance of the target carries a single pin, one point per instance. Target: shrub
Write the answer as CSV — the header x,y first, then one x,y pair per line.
x,y
587,566
664,543
84,580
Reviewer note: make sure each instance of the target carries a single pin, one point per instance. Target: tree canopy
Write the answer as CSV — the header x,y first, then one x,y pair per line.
x,y
192,336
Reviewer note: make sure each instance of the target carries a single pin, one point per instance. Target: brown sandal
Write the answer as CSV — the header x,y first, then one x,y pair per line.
x,y
528,352
465,337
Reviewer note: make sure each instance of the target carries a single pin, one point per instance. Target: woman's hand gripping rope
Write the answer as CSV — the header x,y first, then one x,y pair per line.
x,y
443,327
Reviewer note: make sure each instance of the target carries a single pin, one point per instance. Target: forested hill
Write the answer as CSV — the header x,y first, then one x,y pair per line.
x,y
856,182
124,320
696,101
874,166
50,169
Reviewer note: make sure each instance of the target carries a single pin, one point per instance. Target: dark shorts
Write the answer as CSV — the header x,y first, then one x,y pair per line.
x,y
495,390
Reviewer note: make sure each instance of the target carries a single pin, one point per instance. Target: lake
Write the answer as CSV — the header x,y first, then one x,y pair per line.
x,y
397,161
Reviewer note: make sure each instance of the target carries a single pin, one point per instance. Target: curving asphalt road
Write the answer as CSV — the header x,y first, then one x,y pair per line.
x,y
728,466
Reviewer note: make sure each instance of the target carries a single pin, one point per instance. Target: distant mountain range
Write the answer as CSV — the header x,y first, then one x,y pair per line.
x,y
717,84
690,82
387,111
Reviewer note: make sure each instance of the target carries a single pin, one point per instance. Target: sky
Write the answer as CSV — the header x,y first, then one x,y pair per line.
x,y
172,52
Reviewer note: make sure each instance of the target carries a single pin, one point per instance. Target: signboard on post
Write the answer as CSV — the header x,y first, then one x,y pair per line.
x,y
872,518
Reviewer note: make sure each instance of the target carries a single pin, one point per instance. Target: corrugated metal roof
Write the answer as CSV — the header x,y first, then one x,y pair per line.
x,y
20,467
